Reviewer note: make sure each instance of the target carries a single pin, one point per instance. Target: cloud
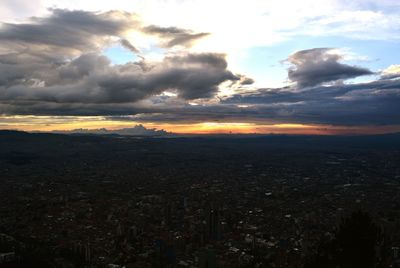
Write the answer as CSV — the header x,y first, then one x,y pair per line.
x,y
174,36
126,44
287,20
91,79
137,130
320,65
373,103
246,80
54,66
55,62
65,33
393,71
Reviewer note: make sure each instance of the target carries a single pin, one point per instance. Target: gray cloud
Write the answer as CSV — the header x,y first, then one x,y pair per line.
x,y
319,65
174,36
91,78
56,62
246,80
126,44
34,50
66,33
374,103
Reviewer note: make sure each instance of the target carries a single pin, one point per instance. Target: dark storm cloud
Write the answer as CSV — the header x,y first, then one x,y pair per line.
x,y
68,33
371,103
320,65
55,62
65,32
92,79
175,36
375,103
194,76
32,52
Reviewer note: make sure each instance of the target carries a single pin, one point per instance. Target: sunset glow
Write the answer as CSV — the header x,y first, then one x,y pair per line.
x,y
319,67
48,123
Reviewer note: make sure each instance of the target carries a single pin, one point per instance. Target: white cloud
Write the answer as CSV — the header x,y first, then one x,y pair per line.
x,y
238,26
393,71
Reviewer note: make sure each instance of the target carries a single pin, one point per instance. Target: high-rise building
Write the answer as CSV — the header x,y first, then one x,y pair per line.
x,y
213,222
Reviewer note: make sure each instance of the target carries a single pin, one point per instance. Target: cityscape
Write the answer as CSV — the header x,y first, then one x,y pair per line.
x,y
199,134
229,201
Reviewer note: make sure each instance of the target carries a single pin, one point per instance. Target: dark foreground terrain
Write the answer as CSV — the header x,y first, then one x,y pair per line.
x,y
274,201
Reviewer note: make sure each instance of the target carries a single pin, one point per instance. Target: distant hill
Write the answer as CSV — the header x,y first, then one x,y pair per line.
x,y
137,130
383,140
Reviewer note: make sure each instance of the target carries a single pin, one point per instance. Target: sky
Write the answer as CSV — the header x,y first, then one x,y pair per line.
x,y
201,66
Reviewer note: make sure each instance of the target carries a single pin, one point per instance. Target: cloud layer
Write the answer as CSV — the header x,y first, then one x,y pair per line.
x,y
319,65
65,33
91,78
55,66
56,62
